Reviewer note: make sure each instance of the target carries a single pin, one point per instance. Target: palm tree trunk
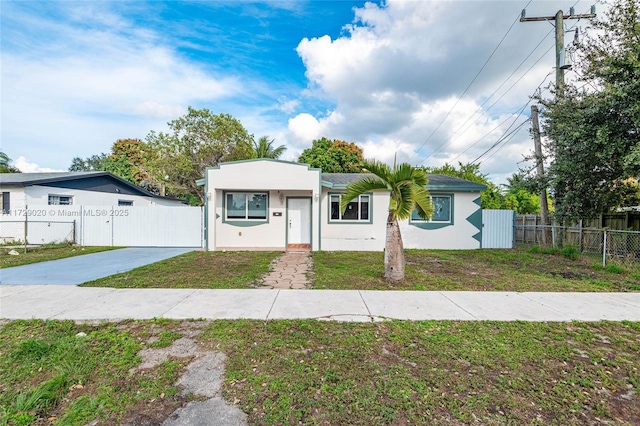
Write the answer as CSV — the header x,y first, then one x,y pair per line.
x,y
394,252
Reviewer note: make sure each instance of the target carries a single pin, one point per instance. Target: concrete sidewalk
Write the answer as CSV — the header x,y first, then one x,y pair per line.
x,y
80,303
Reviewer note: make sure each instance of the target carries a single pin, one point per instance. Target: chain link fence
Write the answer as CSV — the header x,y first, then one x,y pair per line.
x,y
37,232
612,245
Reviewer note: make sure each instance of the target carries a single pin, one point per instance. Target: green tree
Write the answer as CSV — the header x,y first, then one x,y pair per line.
x,y
490,198
593,126
333,156
5,164
197,140
407,191
127,159
264,148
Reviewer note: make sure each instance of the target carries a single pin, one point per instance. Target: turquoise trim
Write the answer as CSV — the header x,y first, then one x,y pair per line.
x,y
349,222
431,225
286,235
253,160
243,223
475,219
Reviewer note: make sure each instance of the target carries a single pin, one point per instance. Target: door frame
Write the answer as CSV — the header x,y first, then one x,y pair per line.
x,y
286,223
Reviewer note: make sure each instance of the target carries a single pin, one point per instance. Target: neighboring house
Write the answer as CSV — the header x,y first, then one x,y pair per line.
x,y
267,204
74,188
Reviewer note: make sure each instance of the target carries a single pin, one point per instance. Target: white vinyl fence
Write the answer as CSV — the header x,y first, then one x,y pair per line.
x,y
130,226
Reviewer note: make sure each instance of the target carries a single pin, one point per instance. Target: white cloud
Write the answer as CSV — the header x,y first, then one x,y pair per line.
x,y
25,166
397,76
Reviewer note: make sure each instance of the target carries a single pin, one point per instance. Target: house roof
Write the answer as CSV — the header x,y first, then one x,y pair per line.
x,y
436,182
50,179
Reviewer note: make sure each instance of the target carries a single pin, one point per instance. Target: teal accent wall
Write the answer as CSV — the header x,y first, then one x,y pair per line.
x,y
476,220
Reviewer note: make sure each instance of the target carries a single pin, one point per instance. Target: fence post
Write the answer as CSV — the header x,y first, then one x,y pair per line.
x,y
26,220
604,250
74,232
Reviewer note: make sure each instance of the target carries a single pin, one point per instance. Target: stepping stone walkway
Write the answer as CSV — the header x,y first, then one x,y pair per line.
x,y
289,271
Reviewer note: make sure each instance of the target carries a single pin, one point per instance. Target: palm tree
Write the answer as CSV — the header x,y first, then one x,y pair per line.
x,y
264,148
406,185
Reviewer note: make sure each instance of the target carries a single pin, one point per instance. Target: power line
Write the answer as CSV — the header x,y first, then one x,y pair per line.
x,y
468,86
501,96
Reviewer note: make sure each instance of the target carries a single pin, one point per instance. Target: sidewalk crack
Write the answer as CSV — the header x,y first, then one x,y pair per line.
x,y
272,305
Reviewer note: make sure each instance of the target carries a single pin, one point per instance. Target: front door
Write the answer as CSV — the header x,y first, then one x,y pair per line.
x,y
299,222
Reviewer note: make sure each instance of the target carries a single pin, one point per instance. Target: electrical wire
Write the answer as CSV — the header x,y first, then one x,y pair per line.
x,y
468,86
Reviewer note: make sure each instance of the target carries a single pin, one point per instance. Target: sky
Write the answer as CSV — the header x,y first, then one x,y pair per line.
x,y
431,82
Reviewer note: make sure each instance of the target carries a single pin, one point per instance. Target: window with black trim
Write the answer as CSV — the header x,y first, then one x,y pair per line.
x,y
359,209
246,206
60,200
5,207
125,203
441,210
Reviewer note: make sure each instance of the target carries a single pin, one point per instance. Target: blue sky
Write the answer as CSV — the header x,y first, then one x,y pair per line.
x,y
388,76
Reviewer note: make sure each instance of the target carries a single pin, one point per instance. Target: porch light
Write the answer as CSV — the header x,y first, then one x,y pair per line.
x,y
281,196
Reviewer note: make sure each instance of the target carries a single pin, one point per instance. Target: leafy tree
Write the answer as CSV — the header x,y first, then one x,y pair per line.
x,y
490,198
128,159
196,141
89,164
593,126
519,198
5,164
406,186
264,148
333,156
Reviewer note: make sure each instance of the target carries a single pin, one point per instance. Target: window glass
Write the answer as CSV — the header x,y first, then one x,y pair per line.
x,y
5,207
236,206
246,206
335,207
125,202
441,209
364,207
357,209
60,200
257,206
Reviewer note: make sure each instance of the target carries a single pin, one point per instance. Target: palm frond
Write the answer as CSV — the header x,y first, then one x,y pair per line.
x,y
359,187
423,204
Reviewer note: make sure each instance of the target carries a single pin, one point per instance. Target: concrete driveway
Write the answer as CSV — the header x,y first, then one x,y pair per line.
x,y
79,269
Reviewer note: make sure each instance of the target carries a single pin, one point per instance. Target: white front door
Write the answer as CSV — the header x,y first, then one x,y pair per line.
x,y
298,220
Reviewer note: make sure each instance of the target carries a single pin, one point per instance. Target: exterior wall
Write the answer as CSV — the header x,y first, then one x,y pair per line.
x,y
39,196
16,197
355,236
278,179
463,234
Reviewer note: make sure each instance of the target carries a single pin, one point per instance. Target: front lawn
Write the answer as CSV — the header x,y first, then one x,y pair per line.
x,y
44,253
474,270
213,269
318,372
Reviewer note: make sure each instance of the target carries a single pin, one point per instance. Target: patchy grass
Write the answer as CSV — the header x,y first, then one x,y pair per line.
x,y
50,374
474,270
318,372
196,270
44,253
286,372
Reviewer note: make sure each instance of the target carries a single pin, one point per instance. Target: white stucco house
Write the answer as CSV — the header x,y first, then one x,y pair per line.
x,y
267,204
74,188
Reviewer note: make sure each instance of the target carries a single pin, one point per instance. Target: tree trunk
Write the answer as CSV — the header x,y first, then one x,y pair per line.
x,y
394,252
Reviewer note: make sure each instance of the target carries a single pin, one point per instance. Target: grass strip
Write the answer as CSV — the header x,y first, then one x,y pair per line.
x,y
473,270
216,270
318,372
44,253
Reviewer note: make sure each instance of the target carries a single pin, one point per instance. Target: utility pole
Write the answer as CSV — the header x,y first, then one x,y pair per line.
x,y
544,206
559,18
